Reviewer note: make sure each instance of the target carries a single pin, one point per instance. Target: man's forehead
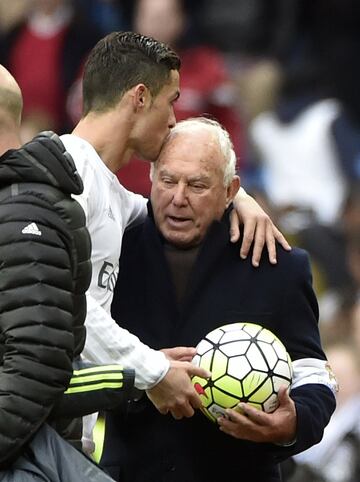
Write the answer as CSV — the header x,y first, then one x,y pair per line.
x,y
174,170
196,146
186,168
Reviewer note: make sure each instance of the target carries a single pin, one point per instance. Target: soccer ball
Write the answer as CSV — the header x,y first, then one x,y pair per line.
x,y
248,363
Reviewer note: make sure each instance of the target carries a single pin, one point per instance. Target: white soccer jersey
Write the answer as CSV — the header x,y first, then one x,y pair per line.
x,y
109,209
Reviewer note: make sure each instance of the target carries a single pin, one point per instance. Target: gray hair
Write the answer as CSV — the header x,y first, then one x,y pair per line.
x,y
220,134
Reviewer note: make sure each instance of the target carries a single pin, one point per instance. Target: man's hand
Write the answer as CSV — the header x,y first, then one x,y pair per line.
x,y
180,353
252,424
258,229
175,393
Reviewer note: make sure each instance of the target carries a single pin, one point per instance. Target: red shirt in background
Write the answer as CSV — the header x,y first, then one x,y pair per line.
x,y
35,62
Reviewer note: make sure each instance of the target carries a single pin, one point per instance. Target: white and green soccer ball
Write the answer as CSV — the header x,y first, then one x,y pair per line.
x,y
248,364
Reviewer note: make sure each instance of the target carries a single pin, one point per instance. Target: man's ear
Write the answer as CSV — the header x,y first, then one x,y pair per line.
x,y
141,96
232,190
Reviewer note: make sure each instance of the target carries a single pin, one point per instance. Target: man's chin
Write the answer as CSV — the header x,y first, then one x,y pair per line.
x,y
181,242
149,156
142,157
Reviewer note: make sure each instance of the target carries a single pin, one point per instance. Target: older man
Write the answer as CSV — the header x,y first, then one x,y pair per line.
x,y
180,277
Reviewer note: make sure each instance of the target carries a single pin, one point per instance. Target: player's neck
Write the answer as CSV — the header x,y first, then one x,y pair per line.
x,y
108,134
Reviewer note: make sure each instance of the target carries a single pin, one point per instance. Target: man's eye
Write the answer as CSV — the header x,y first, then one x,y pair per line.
x,y
168,181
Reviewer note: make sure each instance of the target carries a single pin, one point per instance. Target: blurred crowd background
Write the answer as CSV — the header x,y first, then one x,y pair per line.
x,y
282,77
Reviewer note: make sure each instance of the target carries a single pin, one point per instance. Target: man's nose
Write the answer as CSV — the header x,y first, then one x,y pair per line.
x,y
179,198
172,120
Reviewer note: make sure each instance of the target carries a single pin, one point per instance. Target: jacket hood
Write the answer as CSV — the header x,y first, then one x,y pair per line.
x,y
42,160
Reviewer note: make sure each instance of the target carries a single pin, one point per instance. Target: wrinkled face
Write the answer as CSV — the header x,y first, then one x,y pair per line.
x,y
188,192
157,120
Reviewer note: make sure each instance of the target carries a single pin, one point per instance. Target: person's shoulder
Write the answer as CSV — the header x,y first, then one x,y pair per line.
x,y
296,253
88,163
76,146
55,203
296,261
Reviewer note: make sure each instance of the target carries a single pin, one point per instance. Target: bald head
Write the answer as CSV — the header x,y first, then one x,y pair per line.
x,y
10,111
10,97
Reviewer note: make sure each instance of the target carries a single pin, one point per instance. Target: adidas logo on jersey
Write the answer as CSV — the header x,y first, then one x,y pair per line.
x,y
32,229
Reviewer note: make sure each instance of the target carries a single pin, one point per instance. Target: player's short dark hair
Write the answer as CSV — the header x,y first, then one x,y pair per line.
x,y
121,60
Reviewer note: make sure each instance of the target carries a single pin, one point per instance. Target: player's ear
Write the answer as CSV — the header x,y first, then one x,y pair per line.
x,y
141,96
232,190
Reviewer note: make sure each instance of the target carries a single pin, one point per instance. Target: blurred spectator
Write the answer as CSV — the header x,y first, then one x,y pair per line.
x,y
345,322
305,179
11,13
45,54
307,144
353,256
206,87
312,179
107,15
355,317
253,27
257,85
337,457
353,251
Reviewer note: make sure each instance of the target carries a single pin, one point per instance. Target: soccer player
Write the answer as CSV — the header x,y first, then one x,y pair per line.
x,y
193,284
130,85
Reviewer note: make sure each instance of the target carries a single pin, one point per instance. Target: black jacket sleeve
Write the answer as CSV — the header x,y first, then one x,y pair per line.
x,y
95,388
36,307
314,400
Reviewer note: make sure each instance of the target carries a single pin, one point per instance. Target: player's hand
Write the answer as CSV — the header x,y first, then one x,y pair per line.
x,y
258,229
257,426
175,393
180,353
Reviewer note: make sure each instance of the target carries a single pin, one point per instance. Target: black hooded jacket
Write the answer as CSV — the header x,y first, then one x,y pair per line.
x,y
45,271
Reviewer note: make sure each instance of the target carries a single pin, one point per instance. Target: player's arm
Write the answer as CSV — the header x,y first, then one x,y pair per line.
x,y
36,308
175,393
135,206
258,228
167,382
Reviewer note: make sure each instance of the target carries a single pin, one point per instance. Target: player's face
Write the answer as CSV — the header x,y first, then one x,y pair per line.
x,y
158,119
188,192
